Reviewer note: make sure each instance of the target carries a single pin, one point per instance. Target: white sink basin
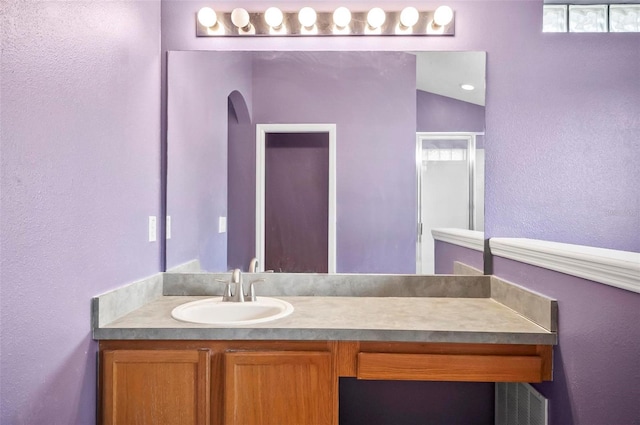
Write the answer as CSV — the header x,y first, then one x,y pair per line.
x,y
212,311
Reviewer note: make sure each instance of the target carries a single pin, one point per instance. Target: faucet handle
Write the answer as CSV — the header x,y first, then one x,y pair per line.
x,y
227,290
252,290
236,276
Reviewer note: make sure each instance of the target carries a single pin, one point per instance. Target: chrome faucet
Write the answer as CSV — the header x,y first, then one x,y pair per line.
x,y
237,294
253,268
234,291
253,265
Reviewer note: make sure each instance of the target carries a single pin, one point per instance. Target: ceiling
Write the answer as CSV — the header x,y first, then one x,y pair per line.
x,y
443,72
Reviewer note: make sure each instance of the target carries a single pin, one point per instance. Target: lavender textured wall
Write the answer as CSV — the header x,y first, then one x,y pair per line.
x,y
241,193
552,99
596,371
371,99
561,118
446,254
375,144
197,152
80,132
79,119
441,113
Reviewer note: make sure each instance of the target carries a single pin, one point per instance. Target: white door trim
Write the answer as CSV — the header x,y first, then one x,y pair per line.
x,y
261,137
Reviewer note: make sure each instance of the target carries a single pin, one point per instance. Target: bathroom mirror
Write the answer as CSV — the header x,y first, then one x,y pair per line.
x,y
329,139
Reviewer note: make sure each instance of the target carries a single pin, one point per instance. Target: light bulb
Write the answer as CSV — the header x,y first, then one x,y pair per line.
x,y
376,17
273,17
341,17
307,17
207,17
409,17
443,16
240,18
467,87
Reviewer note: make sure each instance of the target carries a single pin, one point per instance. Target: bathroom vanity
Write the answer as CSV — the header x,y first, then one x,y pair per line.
x,y
154,369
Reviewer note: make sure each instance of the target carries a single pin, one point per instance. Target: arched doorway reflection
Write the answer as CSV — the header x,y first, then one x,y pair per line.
x,y
240,183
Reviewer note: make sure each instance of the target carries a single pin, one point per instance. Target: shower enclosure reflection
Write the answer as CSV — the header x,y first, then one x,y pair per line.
x,y
450,188
376,101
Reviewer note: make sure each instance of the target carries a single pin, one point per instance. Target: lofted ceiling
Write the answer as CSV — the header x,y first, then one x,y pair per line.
x,y
442,73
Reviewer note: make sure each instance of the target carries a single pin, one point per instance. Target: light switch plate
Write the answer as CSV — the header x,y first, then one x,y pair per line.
x,y
152,228
222,224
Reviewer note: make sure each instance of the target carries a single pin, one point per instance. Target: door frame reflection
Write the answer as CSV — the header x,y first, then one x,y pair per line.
x,y
261,140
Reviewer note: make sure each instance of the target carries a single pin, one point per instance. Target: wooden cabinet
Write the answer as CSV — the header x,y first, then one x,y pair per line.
x,y
218,382
279,388
155,387
283,382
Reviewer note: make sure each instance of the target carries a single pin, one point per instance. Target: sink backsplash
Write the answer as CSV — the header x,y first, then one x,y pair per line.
x,y
341,285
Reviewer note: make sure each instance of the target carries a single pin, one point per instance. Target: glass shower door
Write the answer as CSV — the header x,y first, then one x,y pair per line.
x,y
446,189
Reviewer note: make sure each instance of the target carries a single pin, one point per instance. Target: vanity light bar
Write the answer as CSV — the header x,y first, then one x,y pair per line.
x,y
591,18
307,21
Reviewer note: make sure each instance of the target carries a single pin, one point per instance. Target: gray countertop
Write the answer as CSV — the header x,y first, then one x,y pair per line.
x,y
401,319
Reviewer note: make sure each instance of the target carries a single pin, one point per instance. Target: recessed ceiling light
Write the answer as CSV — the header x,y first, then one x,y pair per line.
x,y
468,87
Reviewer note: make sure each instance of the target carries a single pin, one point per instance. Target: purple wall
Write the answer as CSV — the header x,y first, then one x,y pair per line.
x,y
80,131
415,402
371,99
596,371
375,188
80,176
197,152
440,113
563,118
551,101
241,193
446,254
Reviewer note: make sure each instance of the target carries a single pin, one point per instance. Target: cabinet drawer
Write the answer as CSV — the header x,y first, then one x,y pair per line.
x,y
449,367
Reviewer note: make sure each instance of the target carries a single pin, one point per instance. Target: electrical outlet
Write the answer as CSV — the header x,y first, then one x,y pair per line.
x,y
153,231
168,227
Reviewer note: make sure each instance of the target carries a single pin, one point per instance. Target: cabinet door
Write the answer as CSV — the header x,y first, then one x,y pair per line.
x,y
280,388
155,387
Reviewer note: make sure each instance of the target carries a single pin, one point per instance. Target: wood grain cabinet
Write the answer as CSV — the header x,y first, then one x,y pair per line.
x,y
156,387
218,382
279,388
283,382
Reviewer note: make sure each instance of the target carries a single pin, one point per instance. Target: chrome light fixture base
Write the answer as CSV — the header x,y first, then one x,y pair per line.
x,y
325,26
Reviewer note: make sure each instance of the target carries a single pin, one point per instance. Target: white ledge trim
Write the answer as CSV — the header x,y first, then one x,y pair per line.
x,y
615,268
472,239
